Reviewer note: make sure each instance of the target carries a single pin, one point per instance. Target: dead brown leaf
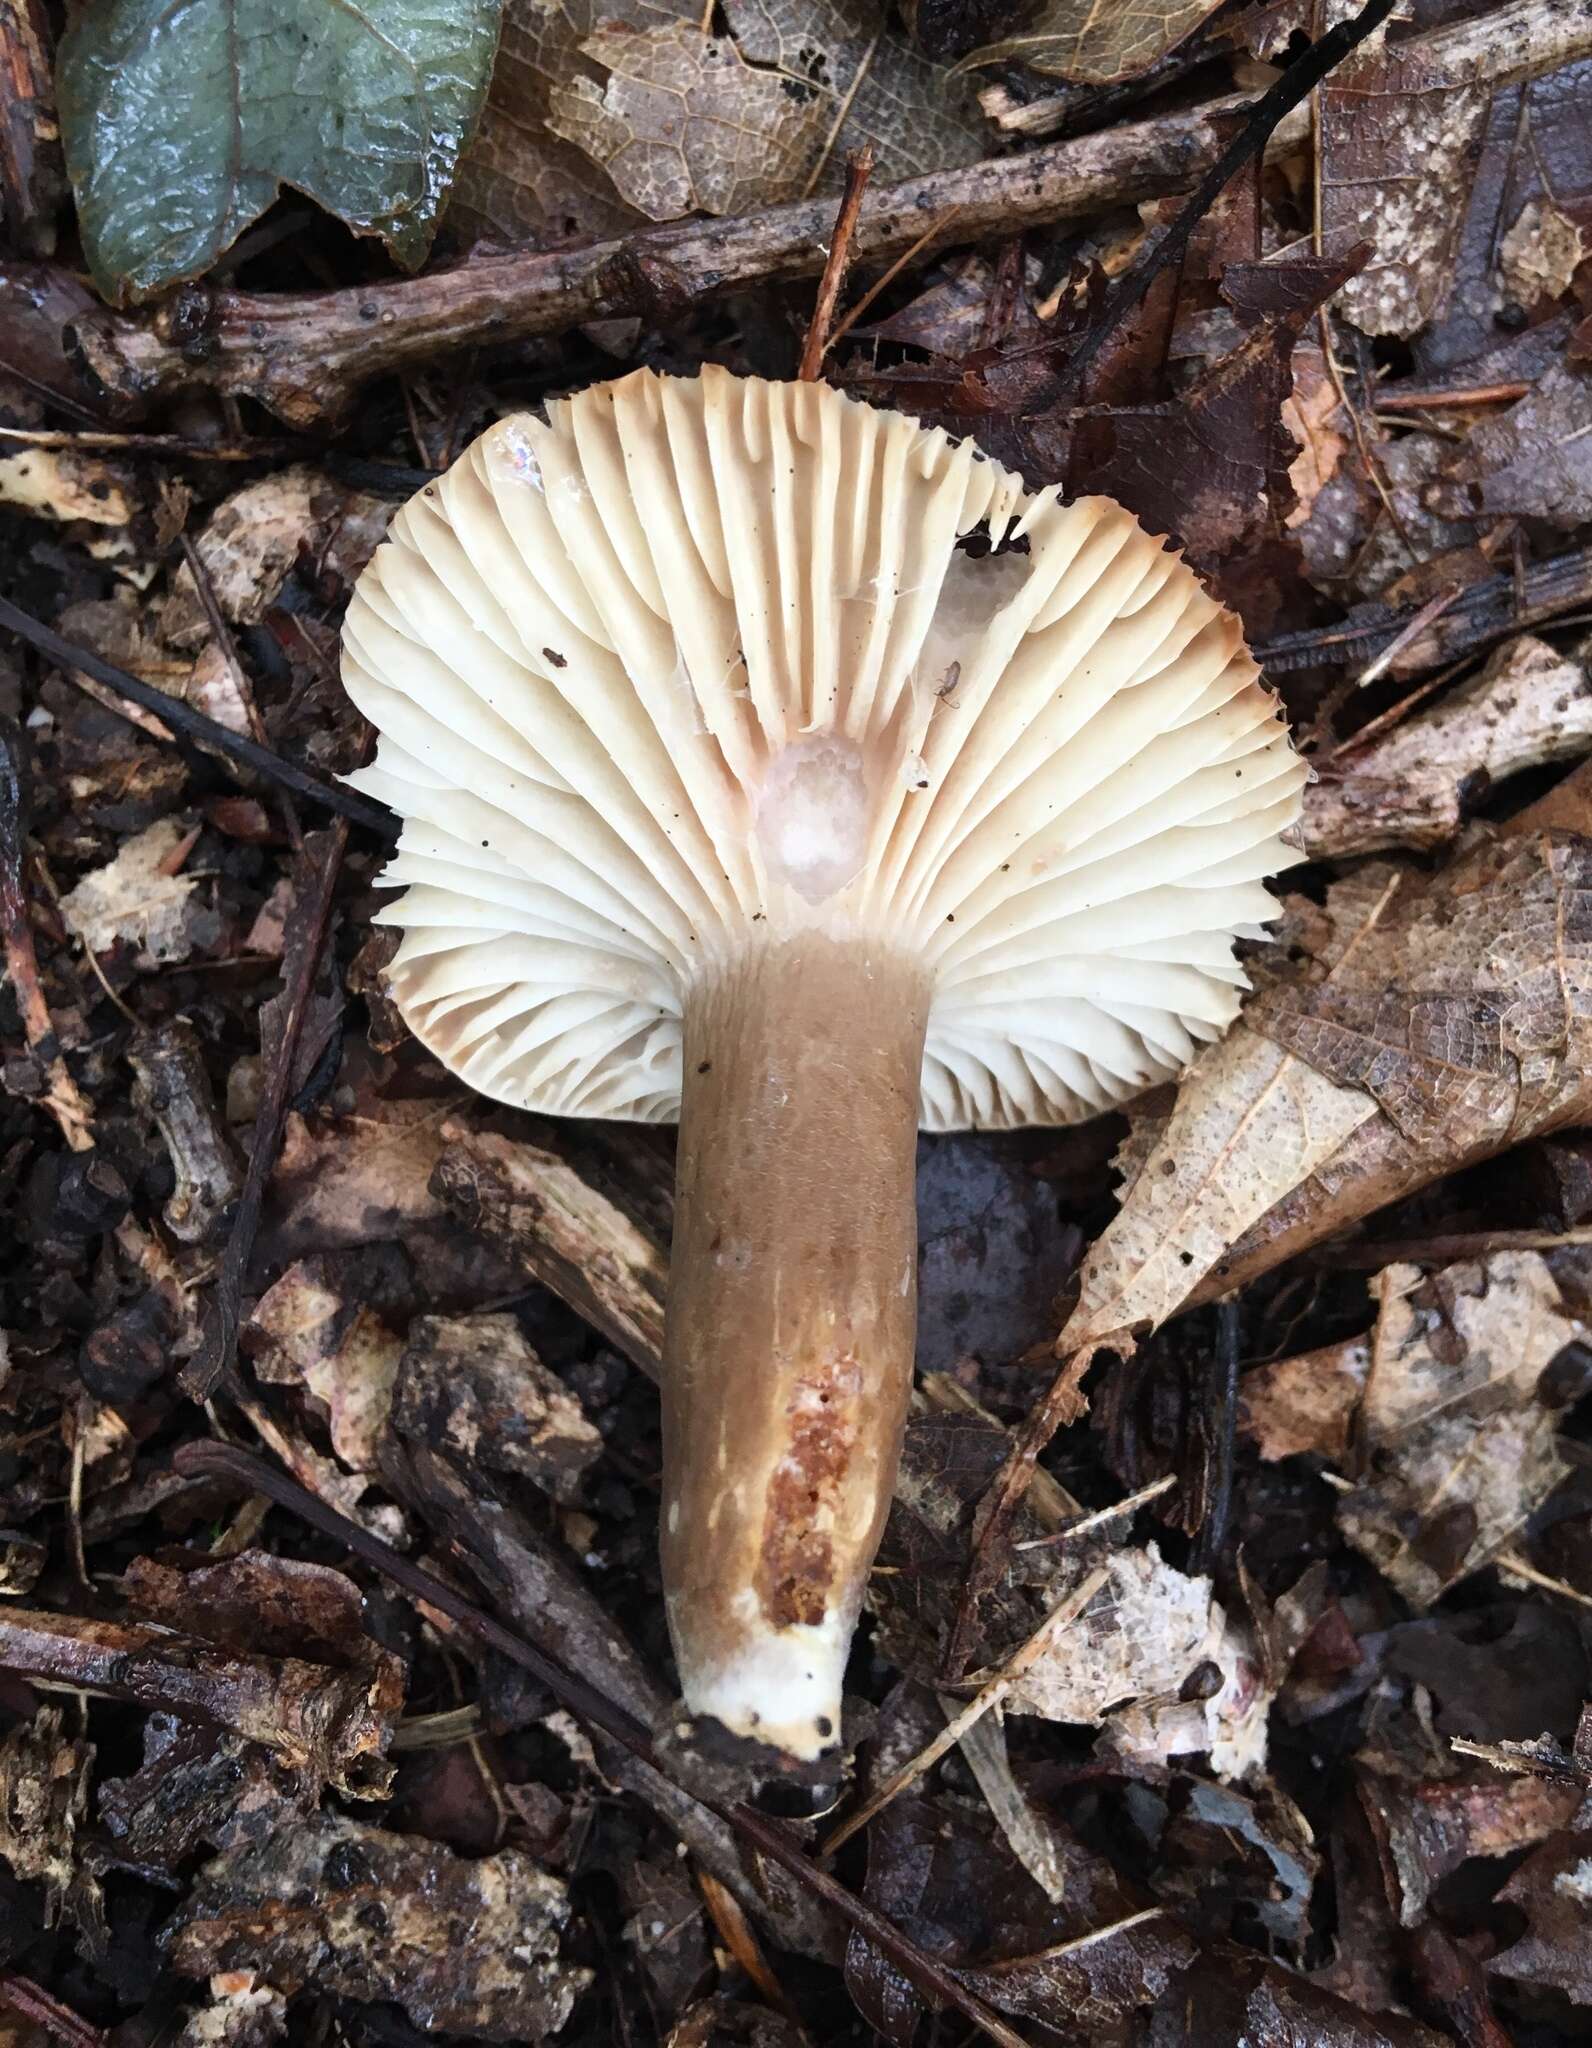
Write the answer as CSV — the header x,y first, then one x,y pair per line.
x,y
1533,462
1460,1447
598,115
1305,1403
1553,1888
1396,132
44,1777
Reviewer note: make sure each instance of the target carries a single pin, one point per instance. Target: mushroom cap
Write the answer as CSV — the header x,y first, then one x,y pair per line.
x,y
701,663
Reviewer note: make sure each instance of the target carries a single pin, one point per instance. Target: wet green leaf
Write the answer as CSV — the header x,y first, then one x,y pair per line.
x,y
183,120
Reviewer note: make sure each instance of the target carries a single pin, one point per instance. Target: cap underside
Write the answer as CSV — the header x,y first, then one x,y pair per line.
x,y
700,662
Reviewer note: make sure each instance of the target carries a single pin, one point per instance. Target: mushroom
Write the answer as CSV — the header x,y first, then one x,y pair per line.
x,y
774,764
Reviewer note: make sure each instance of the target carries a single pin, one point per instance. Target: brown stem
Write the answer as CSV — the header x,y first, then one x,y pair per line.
x,y
791,1318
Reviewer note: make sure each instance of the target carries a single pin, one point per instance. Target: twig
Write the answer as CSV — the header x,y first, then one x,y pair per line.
x,y
215,1357
190,724
1514,1566
35,2003
1222,1437
859,168
882,283
1065,1610
768,1837
1432,401
1101,1516
1444,1251
221,634
1279,99
1485,612
62,1097
1433,608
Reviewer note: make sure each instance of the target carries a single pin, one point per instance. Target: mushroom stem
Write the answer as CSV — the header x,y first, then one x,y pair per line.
x,y
791,1317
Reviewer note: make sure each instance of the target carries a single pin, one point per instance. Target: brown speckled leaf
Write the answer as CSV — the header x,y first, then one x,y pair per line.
x,y
1099,42
606,111
1396,134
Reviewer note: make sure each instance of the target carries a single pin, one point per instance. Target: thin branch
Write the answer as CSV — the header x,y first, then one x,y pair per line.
x,y
1300,79
859,168
193,725
768,1837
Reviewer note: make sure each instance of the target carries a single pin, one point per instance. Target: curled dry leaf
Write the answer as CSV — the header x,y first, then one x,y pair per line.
x,y
473,1387
138,899
1460,1447
465,1947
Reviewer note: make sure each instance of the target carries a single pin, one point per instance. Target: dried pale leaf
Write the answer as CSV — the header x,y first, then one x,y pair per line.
x,y
132,900
1122,1662
358,1179
1249,1124
1397,133
249,545
1093,45
1512,920
465,1947
1539,255
1533,462
1462,1450
1309,413
62,484
304,1332
1305,1403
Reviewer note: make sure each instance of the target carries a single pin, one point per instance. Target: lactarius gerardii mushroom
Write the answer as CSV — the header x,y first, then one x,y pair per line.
x,y
737,790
